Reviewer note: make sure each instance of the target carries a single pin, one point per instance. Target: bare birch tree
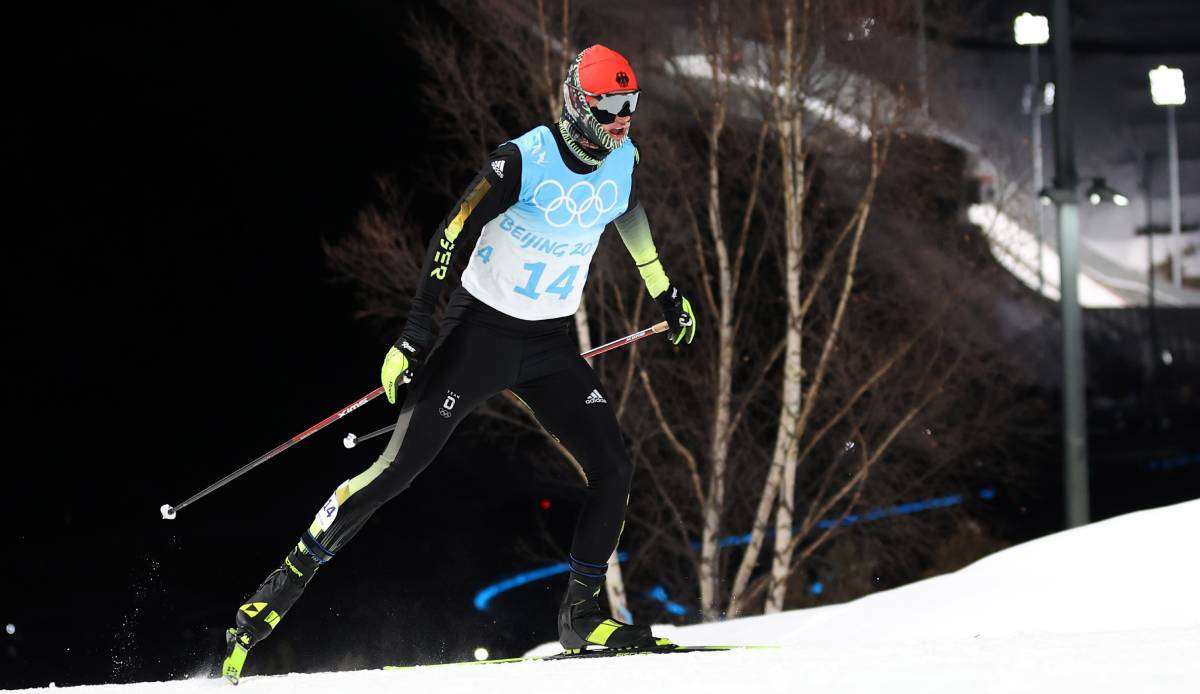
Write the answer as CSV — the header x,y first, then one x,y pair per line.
x,y
864,116
790,56
721,229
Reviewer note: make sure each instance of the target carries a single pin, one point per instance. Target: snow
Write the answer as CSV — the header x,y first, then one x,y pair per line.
x,y
1016,249
1110,607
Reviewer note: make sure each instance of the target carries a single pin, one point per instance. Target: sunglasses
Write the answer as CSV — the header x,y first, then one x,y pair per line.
x,y
609,106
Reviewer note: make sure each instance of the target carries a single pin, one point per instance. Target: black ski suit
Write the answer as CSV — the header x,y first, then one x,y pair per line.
x,y
481,352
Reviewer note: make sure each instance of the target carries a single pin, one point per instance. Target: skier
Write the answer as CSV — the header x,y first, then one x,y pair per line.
x,y
539,205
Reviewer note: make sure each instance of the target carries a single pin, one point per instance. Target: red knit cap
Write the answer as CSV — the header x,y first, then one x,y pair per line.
x,y
603,70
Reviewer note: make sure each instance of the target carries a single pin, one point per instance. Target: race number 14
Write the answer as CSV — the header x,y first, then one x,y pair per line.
x,y
562,285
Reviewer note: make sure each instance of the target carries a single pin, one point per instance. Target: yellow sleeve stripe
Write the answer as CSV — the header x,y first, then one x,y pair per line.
x,y
464,211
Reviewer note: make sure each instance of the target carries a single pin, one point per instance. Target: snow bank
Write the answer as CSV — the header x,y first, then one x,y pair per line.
x,y
1111,607
1138,571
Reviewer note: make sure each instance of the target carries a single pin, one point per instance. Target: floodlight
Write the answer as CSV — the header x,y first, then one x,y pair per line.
x,y
1031,29
1166,86
1100,192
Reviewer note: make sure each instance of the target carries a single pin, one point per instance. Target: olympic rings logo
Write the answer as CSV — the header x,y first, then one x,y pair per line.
x,y
582,204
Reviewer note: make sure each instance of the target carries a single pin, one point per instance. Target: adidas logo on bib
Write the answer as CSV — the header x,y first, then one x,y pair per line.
x,y
498,167
594,398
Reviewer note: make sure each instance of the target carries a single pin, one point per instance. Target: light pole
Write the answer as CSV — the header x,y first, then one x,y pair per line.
x,y
1155,353
1033,31
1167,89
1066,196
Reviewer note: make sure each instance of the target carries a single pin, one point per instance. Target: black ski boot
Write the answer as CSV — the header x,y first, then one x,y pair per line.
x,y
257,618
581,622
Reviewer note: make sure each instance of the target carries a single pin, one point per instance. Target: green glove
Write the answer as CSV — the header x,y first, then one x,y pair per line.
x,y
680,317
397,365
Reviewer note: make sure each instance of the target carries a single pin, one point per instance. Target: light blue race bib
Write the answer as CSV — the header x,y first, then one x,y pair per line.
x,y
532,260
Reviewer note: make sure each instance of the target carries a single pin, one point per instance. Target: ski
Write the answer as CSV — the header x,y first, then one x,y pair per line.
x,y
662,648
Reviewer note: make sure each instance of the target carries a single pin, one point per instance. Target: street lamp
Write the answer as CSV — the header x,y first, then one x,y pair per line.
x,y
1033,31
1167,89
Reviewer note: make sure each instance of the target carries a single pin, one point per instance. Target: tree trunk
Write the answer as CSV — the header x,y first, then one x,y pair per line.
x,y
786,439
790,125
782,567
785,117
714,500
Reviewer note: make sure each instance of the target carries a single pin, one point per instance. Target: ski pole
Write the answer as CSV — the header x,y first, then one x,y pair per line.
x,y
351,440
659,327
168,511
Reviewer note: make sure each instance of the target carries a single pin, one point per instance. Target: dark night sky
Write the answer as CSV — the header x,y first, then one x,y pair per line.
x,y
170,316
